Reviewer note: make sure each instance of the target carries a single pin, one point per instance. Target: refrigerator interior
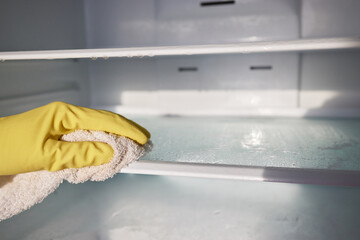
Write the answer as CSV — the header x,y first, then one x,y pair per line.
x,y
279,110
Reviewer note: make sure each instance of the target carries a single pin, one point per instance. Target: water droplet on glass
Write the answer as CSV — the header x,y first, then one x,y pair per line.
x,y
216,212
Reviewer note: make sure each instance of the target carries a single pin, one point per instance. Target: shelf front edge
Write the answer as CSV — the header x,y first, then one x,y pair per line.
x,y
247,173
230,48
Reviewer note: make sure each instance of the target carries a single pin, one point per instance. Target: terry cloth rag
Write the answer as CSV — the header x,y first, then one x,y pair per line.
x,y
20,192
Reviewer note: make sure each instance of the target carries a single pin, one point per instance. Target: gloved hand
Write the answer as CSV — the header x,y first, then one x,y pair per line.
x,y
30,141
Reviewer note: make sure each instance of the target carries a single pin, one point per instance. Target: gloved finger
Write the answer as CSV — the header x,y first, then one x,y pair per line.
x,y
64,155
100,120
113,123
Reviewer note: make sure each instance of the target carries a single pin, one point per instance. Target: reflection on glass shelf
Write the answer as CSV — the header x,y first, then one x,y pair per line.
x,y
265,142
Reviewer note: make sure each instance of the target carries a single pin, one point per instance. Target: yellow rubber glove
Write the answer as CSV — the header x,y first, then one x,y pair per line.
x,y
30,141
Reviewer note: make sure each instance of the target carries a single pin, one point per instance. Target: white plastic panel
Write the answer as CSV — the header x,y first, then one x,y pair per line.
x,y
41,24
25,103
125,23
330,80
330,18
130,23
29,84
256,71
109,78
144,207
186,22
228,81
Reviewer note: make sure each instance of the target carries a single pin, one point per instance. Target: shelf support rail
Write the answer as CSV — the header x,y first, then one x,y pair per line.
x,y
247,173
243,47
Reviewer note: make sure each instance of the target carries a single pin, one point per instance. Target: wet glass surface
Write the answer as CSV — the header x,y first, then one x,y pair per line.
x,y
270,142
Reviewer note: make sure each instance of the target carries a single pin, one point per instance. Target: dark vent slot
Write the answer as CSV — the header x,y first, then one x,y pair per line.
x,y
187,69
254,68
216,3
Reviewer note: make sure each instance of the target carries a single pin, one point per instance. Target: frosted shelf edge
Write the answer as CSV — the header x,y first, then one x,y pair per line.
x,y
247,173
245,47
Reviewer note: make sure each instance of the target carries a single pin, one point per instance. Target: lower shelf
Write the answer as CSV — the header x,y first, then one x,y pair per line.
x,y
150,207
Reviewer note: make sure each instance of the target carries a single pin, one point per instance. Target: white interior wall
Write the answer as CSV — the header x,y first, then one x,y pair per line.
x,y
330,18
322,77
130,23
224,81
39,25
330,79
29,84
186,22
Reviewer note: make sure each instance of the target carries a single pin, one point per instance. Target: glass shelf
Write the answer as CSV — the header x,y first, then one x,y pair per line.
x,y
332,144
148,207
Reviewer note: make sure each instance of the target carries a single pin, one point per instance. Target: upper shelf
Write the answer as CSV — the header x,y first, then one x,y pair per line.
x,y
317,151
331,144
245,47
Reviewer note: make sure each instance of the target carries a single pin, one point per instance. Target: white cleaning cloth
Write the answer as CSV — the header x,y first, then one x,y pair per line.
x,y
20,192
